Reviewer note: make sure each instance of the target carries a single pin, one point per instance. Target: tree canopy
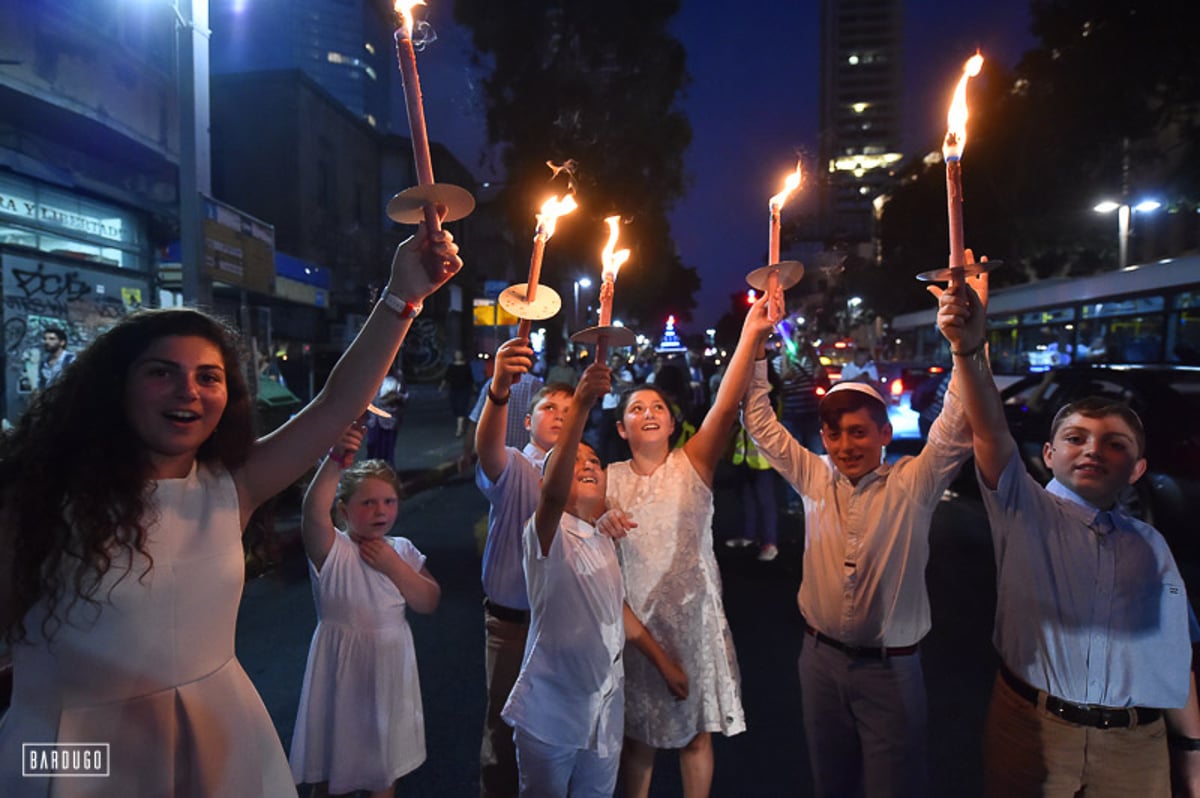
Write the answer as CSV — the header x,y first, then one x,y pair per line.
x,y
596,83
1106,106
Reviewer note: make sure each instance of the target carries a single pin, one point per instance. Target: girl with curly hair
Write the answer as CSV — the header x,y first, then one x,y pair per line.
x,y
124,493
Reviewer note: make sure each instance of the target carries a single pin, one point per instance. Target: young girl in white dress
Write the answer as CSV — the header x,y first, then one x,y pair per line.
x,y
124,492
360,724
661,507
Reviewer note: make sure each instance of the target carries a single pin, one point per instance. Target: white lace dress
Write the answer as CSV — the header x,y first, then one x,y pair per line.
x,y
673,586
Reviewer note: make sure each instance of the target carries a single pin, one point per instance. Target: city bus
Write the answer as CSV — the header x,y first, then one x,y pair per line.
x,y
1149,313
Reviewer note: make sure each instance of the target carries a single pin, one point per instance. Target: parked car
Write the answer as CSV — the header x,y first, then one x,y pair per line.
x,y
1167,398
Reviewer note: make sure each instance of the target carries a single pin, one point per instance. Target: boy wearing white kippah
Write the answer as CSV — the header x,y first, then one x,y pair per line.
x,y
863,595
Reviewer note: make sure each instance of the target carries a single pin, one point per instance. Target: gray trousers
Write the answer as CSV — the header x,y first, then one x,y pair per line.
x,y
866,723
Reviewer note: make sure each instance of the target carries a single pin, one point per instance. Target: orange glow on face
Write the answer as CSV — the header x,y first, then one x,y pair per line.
x,y
404,9
611,260
956,119
553,208
791,184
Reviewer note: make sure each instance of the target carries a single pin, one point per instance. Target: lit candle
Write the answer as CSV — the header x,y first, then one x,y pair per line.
x,y
406,57
775,205
547,221
952,150
612,262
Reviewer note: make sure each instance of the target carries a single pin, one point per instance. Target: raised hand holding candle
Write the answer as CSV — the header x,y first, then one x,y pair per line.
x,y
952,150
611,264
547,222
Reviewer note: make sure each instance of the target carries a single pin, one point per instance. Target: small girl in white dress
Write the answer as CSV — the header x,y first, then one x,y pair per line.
x,y
360,724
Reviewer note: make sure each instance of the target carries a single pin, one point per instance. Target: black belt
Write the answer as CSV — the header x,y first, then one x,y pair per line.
x,y
1091,715
502,613
861,651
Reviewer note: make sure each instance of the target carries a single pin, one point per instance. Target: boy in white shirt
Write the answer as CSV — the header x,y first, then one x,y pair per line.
x,y
567,707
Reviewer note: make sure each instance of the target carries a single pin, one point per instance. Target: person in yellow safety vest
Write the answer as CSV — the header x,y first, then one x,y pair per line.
x,y
757,485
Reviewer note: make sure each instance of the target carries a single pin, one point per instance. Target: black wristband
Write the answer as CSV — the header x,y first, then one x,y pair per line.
x,y
968,352
496,400
1180,743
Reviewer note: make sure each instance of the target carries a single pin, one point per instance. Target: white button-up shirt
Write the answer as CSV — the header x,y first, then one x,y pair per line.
x,y
570,691
866,545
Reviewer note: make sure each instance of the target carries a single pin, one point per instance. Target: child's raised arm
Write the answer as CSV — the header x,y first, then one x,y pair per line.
x,y
316,528
704,449
643,641
278,458
560,468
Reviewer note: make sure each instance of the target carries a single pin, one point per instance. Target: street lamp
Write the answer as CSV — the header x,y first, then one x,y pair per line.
x,y
195,165
582,282
1124,214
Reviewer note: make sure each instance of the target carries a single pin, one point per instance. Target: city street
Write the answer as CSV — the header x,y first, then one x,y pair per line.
x,y
277,620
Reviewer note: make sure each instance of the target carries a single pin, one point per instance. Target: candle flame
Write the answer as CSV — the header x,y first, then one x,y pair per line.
x,y
612,260
404,9
791,184
956,119
551,210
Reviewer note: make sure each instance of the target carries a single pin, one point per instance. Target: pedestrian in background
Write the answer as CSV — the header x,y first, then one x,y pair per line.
x,y
360,723
391,398
461,385
55,355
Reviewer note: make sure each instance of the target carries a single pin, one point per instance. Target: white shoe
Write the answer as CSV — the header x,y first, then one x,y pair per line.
x,y
739,543
768,552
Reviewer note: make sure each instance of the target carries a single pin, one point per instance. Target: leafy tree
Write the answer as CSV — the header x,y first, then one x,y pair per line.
x,y
1106,105
595,82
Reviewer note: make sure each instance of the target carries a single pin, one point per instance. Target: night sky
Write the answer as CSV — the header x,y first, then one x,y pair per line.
x,y
753,107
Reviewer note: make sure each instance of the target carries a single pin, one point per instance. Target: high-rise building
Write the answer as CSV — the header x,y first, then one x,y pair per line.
x,y
344,45
861,112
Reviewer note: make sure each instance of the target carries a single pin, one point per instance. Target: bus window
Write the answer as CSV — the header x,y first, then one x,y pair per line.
x,y
1133,339
1184,340
1046,347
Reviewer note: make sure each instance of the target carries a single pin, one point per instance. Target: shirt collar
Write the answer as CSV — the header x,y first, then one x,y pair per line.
x,y
535,453
577,526
1085,510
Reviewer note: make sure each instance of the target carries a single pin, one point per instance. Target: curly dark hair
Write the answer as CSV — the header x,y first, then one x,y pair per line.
x,y
75,485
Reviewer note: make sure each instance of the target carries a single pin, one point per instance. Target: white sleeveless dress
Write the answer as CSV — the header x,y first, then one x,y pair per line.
x,y
360,723
673,586
151,671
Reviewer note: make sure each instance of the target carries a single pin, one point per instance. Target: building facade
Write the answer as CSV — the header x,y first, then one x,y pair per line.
x,y
861,113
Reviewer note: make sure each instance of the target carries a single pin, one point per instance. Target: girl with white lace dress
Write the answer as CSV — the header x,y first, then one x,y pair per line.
x,y
360,723
661,507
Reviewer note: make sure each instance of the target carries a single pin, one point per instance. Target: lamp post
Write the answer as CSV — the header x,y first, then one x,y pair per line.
x,y
582,282
195,163
1125,213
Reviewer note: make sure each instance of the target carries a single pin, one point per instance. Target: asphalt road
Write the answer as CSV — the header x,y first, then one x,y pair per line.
x,y
277,619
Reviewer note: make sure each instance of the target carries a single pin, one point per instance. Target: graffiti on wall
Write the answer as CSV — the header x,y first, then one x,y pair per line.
x,y
424,351
39,295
